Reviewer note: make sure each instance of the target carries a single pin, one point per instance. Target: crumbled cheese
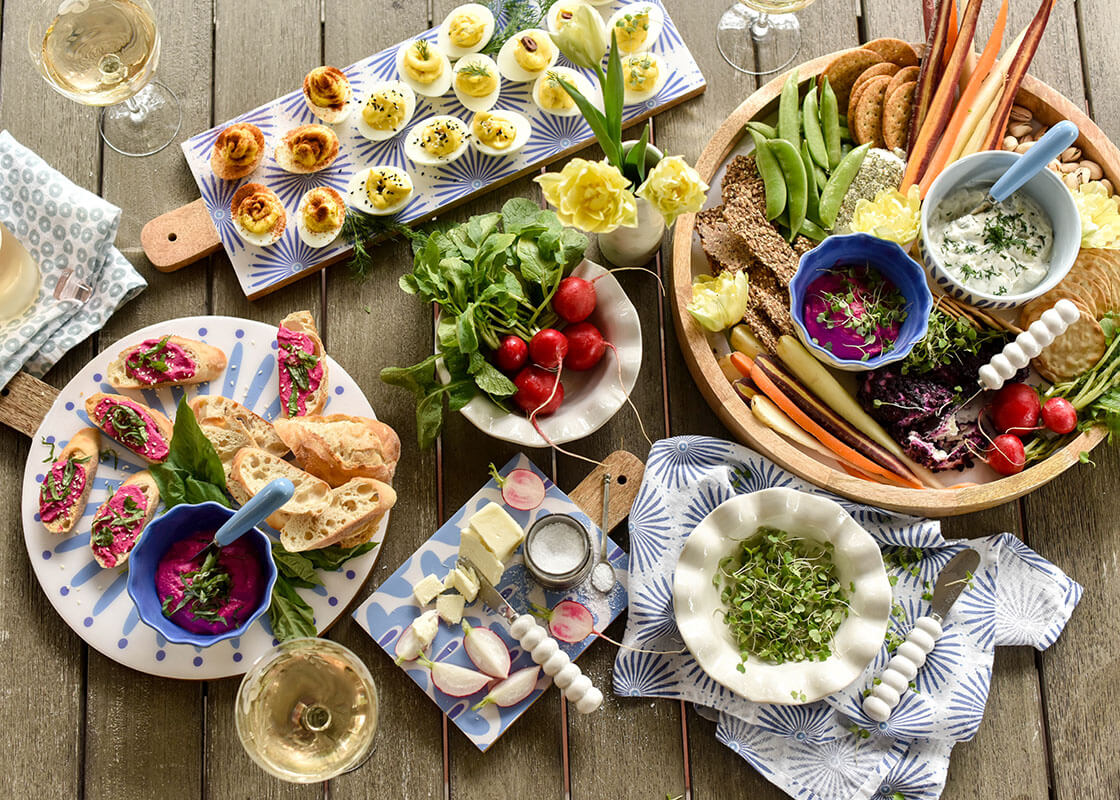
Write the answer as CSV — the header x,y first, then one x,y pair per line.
x,y
450,608
426,590
881,169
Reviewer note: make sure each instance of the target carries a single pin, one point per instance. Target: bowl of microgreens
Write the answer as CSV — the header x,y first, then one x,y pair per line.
x,y
781,596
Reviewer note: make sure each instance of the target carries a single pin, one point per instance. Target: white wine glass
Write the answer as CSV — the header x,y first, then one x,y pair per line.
x,y
759,37
307,711
103,53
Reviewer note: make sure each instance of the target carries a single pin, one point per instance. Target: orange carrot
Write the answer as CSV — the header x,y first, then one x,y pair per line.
x,y
742,363
951,42
964,105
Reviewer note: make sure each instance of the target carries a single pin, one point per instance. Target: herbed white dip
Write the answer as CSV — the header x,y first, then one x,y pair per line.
x,y
1003,250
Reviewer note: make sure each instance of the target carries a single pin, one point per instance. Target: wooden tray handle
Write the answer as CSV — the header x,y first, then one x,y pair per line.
x,y
180,237
626,477
24,402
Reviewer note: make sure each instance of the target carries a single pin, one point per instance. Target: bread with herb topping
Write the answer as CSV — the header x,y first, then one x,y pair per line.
x,y
254,468
338,447
147,484
141,445
355,506
303,322
209,362
85,448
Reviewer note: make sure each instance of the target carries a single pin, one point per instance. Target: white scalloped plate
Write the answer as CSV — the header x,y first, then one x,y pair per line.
x,y
93,600
857,558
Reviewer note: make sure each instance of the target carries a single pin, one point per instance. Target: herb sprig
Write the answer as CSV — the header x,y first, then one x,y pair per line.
x,y
125,518
289,614
154,358
362,230
519,15
205,590
947,339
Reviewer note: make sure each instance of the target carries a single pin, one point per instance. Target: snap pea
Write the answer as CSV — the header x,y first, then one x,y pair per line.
x,y
838,184
830,123
813,231
789,109
793,168
821,176
761,127
813,204
814,136
772,178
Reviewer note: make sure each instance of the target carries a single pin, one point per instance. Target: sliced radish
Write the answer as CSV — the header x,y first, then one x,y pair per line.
x,y
486,650
569,621
512,690
453,680
417,636
523,489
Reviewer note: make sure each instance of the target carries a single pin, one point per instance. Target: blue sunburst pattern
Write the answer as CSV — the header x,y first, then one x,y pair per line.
x,y
294,105
919,775
966,706
654,611
288,257
200,145
645,675
752,743
553,135
811,723
217,194
471,172
649,530
291,186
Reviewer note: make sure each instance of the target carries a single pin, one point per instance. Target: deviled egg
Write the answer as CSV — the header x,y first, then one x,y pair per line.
x,y
527,55
308,148
561,12
643,75
327,92
467,29
636,26
380,190
437,140
424,67
551,96
387,110
499,133
258,215
319,216
476,82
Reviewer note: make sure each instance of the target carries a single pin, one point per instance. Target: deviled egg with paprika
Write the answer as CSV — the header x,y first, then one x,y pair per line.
x,y
467,29
424,67
319,216
327,92
387,110
380,190
527,55
499,133
308,148
636,26
258,215
551,96
437,140
477,83
643,75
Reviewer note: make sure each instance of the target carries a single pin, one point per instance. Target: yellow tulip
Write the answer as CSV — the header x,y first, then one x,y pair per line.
x,y
674,188
592,196
1100,216
583,38
892,215
719,302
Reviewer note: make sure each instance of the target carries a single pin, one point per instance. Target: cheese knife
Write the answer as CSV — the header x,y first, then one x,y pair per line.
x,y
575,686
911,654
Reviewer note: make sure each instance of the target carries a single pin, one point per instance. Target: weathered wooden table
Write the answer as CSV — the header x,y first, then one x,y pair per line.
x,y
74,724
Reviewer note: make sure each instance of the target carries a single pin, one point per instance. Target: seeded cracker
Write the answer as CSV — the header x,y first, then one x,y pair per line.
x,y
868,117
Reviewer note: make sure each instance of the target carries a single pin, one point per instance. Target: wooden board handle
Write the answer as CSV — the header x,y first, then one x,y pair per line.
x,y
24,402
180,237
626,471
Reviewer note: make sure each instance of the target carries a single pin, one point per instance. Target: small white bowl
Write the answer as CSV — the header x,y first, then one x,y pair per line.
x,y
697,604
1045,188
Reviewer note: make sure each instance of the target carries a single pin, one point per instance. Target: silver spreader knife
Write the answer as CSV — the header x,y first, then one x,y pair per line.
x,y
575,686
911,654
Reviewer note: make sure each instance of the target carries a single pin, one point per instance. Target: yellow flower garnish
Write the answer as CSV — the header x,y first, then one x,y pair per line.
x,y
892,215
590,195
1100,216
674,188
583,38
719,302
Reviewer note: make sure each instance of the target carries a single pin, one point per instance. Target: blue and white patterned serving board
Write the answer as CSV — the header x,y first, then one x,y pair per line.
x,y
261,270
92,600
392,607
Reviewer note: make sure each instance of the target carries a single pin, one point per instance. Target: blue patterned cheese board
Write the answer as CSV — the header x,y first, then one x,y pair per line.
x,y
261,270
392,608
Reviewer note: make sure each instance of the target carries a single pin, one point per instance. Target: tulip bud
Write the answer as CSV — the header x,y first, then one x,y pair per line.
x,y
583,38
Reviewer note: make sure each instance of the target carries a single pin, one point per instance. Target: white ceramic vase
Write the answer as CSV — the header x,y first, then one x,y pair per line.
x,y
634,247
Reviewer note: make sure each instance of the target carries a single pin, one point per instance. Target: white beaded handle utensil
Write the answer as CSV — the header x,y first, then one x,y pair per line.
x,y
911,654
1028,344
568,677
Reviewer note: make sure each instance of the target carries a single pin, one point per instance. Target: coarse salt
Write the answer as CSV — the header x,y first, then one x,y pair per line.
x,y
558,548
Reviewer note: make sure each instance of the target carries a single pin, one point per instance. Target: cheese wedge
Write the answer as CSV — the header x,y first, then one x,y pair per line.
x,y
498,530
462,580
472,549
426,590
425,627
450,608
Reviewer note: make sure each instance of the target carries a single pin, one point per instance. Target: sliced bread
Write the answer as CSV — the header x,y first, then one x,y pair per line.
x,y
85,448
215,410
302,322
337,447
252,470
209,362
152,444
108,555
352,507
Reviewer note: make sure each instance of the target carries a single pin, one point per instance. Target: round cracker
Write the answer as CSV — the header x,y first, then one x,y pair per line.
x,y
843,71
886,68
896,115
895,51
1073,352
853,103
1032,309
904,75
867,124
1105,264
1089,287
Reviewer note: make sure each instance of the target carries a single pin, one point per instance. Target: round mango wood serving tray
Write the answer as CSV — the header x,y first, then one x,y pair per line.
x,y
1048,107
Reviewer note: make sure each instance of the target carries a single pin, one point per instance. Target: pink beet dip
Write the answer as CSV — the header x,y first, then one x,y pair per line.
x,y
133,427
213,593
301,370
117,524
61,488
854,312
157,360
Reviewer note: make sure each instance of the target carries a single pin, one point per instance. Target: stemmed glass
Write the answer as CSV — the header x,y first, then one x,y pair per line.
x,y
759,37
103,53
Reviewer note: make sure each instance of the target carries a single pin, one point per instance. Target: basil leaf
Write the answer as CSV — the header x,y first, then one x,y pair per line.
x,y
191,451
295,566
289,614
196,491
332,557
172,489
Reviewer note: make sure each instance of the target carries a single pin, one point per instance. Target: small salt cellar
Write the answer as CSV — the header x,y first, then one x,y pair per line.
x,y
558,552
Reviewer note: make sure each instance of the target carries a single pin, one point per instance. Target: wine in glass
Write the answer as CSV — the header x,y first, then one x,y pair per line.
x,y
103,53
760,36
307,711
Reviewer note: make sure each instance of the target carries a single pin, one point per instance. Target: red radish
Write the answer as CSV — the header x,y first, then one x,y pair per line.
x,y
512,353
416,637
453,680
534,386
574,299
568,620
1006,455
1015,408
512,690
522,489
486,650
1059,415
585,346
548,347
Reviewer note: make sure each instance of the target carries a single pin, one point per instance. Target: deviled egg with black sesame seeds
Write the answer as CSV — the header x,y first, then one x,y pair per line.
x,y
477,83
561,12
499,133
437,141
643,75
551,96
467,29
527,55
424,67
379,190
319,216
387,110
636,27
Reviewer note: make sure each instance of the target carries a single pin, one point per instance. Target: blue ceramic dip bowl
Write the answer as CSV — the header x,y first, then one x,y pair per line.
x,y
857,249
163,531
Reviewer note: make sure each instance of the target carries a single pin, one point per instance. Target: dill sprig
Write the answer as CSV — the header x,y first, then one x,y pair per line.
x,y
474,68
362,230
520,15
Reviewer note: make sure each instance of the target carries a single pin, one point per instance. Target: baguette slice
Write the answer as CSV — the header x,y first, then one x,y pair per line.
x,y
228,437
85,444
105,555
163,426
217,411
337,447
352,507
303,322
254,468
209,362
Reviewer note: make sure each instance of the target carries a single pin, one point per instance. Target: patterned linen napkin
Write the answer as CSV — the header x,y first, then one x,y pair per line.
x,y
829,750
63,227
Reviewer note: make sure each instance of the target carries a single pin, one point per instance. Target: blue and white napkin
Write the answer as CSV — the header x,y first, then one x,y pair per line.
x,y
64,227
829,750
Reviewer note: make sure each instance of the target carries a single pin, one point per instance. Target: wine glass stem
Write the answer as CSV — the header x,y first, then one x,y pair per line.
x,y
314,717
760,28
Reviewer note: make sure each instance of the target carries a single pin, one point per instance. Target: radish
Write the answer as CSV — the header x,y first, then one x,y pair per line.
x,y
416,637
512,353
453,680
1059,415
534,387
548,347
1015,408
585,346
486,650
512,690
574,299
568,620
1006,455
521,489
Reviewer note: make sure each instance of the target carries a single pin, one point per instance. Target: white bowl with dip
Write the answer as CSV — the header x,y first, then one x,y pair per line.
x,y
995,282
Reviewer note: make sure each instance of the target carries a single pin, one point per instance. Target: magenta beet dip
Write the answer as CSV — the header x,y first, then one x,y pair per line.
x,y
239,597
54,504
157,360
854,312
148,441
118,522
301,370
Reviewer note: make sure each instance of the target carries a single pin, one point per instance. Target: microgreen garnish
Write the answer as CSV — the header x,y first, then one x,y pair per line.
x,y
947,339
122,519
205,589
871,307
129,426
